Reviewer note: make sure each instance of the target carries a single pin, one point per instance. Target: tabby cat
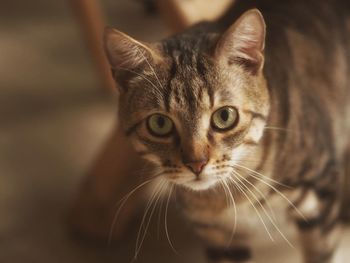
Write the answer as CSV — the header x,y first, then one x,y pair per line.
x,y
245,115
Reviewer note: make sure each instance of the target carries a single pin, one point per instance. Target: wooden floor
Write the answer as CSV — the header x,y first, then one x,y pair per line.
x,y
53,120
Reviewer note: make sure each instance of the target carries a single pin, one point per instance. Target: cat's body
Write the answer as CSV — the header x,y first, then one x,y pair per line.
x,y
307,51
290,97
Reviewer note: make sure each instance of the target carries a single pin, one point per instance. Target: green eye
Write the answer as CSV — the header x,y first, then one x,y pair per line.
x,y
224,118
159,125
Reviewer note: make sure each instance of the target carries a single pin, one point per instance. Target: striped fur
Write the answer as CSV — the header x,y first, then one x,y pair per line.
x,y
293,128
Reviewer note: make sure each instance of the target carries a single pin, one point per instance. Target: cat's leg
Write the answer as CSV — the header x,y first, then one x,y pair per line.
x,y
222,247
346,200
235,254
320,229
319,246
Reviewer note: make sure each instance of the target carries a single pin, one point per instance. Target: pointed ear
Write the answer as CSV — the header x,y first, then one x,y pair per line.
x,y
244,42
124,52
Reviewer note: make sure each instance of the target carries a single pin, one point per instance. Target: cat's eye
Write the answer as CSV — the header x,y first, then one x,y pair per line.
x,y
160,125
224,118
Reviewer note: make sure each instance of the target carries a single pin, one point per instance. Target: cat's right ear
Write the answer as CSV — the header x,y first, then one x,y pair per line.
x,y
243,43
126,54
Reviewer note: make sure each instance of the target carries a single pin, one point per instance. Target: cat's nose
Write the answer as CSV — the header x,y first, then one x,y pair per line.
x,y
197,166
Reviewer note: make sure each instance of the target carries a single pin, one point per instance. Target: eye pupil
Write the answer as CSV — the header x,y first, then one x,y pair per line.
x,y
159,125
224,118
160,122
224,115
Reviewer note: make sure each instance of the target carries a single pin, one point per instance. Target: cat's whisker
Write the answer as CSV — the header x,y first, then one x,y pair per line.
x,y
260,174
259,192
227,200
253,205
278,129
122,202
155,193
150,201
166,220
235,211
139,186
262,207
160,210
226,196
151,215
277,191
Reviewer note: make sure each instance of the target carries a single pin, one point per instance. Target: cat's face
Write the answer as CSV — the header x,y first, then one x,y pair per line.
x,y
194,107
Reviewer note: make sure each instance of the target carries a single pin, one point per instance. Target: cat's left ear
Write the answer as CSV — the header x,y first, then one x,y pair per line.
x,y
244,42
124,52
127,55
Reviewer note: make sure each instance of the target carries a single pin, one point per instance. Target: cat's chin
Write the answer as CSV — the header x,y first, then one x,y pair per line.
x,y
200,185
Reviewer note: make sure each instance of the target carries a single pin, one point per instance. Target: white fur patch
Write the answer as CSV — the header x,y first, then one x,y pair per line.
x,y
309,206
256,130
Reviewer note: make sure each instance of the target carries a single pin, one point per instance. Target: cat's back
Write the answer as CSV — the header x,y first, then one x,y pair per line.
x,y
308,61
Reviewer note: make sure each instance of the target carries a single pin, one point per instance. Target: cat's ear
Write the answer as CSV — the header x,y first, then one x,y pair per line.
x,y
244,42
125,53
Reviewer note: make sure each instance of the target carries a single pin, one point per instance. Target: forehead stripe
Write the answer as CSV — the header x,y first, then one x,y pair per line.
x,y
202,69
168,93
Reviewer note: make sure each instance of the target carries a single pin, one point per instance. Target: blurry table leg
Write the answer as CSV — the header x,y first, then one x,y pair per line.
x,y
91,20
115,173
173,14
346,204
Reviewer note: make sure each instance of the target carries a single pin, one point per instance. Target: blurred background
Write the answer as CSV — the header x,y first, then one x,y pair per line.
x,y
56,111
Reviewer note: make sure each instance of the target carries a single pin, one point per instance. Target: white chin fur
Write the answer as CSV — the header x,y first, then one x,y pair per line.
x,y
200,185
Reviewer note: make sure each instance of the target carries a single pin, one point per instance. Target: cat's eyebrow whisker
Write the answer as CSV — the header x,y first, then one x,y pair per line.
x,y
262,207
149,64
166,220
141,76
154,72
158,93
280,193
253,205
235,210
155,193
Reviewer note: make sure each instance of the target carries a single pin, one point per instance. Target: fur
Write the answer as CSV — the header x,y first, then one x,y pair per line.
x,y
285,70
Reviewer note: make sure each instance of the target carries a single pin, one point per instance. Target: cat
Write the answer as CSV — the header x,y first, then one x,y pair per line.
x,y
244,113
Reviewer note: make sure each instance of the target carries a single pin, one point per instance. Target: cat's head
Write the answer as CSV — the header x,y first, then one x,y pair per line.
x,y
194,104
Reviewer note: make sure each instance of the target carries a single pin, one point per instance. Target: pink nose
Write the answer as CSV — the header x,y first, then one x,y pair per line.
x,y
197,167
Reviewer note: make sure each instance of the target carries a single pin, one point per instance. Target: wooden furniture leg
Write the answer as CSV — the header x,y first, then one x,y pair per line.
x,y
113,173
92,22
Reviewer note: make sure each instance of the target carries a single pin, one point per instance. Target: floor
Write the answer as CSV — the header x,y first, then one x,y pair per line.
x,y
53,119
